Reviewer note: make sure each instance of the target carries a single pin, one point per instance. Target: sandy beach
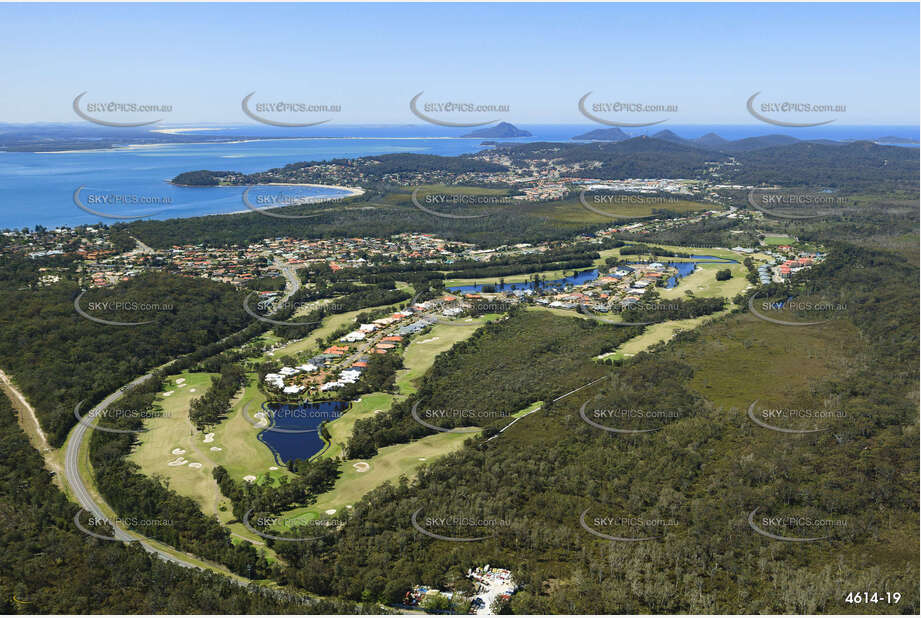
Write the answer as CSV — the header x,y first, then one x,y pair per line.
x,y
241,141
352,192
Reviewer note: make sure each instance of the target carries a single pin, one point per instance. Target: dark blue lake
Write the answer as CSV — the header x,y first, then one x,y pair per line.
x,y
579,278
686,268
294,430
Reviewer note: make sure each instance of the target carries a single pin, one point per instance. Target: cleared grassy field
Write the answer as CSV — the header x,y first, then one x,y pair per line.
x,y
401,197
711,251
546,274
775,241
567,313
571,210
743,358
657,333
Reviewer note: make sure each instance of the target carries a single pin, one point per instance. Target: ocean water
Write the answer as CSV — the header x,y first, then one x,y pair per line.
x,y
39,188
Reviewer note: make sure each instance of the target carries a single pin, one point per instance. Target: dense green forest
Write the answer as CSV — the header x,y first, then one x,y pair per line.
x,y
49,567
506,378
702,472
857,166
59,358
640,157
372,168
367,215
213,406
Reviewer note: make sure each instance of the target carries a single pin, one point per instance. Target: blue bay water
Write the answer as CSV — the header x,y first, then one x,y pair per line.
x,y
38,188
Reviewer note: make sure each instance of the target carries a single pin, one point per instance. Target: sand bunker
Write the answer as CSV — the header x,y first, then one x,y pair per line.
x,y
195,465
209,437
168,393
361,466
429,340
330,511
422,459
178,451
191,390
262,418
249,478
180,380
273,467
348,506
179,461
378,411
216,448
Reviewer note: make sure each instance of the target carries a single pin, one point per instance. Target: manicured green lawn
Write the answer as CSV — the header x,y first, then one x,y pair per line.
x,y
241,452
702,282
775,241
340,430
421,352
172,431
389,464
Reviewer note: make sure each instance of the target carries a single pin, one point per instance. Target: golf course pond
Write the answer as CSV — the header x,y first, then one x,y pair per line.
x,y
294,428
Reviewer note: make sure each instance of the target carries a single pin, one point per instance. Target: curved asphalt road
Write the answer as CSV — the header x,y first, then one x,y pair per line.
x,y
80,431
72,472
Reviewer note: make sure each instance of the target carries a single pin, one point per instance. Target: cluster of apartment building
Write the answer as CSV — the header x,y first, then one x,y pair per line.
x,y
785,261
344,362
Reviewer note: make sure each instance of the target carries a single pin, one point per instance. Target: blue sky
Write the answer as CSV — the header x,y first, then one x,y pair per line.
x,y
538,59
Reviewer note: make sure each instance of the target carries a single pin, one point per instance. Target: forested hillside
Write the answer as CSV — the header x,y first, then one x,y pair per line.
x,y
484,380
694,481
49,567
372,215
58,357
